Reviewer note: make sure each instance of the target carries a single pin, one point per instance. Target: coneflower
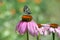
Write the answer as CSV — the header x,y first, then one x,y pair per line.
x,y
27,25
54,28
43,29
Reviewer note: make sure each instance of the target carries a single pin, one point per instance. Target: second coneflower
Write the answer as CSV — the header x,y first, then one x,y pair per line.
x,y
43,29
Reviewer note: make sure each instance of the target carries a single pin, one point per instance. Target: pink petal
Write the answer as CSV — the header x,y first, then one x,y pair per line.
x,y
40,31
46,26
30,28
45,33
22,28
58,28
58,32
35,28
18,25
52,30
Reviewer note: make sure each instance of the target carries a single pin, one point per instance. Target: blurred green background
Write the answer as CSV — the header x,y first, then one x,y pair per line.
x,y
43,11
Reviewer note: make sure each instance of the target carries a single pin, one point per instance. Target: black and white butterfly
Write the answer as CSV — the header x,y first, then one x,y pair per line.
x,y
26,10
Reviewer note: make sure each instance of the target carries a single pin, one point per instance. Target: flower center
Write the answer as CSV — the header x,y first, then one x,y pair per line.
x,y
54,25
39,25
26,18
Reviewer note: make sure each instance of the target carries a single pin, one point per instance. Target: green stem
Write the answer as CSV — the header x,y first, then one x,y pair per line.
x,y
37,37
27,36
53,35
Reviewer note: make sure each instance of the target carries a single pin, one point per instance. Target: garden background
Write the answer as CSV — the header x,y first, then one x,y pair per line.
x,y
43,11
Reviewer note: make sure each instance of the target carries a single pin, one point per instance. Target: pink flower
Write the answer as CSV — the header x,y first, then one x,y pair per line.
x,y
43,29
27,24
55,28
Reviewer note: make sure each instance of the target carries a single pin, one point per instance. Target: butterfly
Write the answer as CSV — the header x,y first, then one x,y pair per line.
x,y
26,10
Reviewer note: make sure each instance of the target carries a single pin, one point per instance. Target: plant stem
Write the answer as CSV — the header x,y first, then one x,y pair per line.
x,y
27,36
37,37
53,35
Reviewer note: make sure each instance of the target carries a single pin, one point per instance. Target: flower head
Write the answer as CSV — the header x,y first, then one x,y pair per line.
x,y
43,29
54,28
27,24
